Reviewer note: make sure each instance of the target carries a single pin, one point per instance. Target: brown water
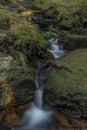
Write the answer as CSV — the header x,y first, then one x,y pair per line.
x,y
10,117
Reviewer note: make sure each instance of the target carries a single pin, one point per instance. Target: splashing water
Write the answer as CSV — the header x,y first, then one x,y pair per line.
x,y
39,98
56,49
36,117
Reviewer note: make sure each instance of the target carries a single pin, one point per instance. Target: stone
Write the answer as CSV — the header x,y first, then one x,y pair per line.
x,y
66,86
15,84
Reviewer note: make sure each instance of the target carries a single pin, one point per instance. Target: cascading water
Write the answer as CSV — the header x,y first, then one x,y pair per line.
x,y
56,48
38,98
36,117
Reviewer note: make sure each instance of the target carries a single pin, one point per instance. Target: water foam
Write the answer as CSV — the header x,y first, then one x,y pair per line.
x,y
35,117
56,48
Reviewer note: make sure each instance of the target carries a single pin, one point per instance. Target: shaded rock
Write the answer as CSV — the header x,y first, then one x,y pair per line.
x,y
15,84
66,86
74,41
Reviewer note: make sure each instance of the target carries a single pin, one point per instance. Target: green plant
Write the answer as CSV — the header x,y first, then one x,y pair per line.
x,y
70,22
50,33
24,61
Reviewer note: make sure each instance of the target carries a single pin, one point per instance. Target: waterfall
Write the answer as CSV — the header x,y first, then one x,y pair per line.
x,y
36,117
39,98
56,48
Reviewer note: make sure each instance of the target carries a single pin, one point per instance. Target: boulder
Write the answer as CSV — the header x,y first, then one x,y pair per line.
x,y
15,85
74,41
66,84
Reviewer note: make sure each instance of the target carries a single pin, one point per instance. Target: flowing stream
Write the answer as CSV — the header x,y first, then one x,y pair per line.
x,y
36,117
56,48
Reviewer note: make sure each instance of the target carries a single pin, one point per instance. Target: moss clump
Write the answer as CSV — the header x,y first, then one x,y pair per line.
x,y
70,22
68,14
26,35
50,34
20,35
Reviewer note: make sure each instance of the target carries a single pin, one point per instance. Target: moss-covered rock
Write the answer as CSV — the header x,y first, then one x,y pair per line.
x,y
15,84
66,86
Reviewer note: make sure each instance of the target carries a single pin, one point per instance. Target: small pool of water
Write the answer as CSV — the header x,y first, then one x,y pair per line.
x,y
11,116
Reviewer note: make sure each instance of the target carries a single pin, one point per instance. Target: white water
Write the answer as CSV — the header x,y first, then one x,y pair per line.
x,y
39,98
56,48
36,117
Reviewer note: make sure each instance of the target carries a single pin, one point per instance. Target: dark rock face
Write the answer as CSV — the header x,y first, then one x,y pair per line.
x,y
74,41
66,86
15,84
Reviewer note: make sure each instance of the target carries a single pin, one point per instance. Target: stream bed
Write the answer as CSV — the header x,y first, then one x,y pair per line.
x,y
10,118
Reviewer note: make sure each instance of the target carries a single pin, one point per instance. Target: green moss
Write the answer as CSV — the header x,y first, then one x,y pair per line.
x,y
50,34
23,36
27,39
70,22
68,14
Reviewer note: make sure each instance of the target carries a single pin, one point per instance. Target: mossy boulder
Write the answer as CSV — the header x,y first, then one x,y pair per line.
x,y
66,86
15,85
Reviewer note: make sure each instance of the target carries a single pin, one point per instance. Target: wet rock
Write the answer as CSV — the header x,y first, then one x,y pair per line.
x,y
66,86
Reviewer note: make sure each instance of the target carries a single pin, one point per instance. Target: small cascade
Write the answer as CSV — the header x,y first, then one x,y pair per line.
x,y
56,48
36,117
39,98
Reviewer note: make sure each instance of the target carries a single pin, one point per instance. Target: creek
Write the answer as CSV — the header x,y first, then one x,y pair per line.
x,y
38,116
